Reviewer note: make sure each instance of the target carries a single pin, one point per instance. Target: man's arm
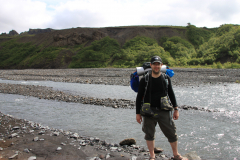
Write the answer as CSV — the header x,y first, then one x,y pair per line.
x,y
140,95
139,118
171,94
173,100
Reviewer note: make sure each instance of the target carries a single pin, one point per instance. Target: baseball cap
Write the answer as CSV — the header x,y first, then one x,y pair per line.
x,y
156,59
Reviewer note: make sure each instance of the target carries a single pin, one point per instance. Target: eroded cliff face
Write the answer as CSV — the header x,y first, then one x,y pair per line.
x,y
77,36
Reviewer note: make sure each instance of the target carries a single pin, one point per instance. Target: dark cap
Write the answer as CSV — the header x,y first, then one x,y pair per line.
x,y
156,59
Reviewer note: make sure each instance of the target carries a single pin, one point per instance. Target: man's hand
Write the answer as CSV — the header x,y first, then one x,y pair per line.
x,y
139,118
175,115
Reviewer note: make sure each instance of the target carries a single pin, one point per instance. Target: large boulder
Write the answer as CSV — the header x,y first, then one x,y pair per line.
x,y
129,142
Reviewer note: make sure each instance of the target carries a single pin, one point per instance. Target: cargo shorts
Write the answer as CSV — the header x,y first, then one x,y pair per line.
x,y
165,123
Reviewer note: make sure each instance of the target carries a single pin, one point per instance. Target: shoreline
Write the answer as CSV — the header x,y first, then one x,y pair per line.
x,y
43,92
25,139
121,76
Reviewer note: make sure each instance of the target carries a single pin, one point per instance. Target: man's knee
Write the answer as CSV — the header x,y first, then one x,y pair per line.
x,y
172,139
149,137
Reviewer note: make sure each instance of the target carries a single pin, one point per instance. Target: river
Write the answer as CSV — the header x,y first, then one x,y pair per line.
x,y
213,135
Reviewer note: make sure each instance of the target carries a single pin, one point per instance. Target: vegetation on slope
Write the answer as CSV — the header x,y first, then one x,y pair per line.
x,y
218,48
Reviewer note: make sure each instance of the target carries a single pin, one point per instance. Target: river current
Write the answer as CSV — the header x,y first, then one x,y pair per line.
x,y
213,135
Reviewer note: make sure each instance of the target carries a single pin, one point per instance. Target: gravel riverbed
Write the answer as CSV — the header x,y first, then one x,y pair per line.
x,y
17,144
120,76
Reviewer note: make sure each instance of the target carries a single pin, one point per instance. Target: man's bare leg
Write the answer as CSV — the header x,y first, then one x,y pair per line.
x,y
151,145
174,146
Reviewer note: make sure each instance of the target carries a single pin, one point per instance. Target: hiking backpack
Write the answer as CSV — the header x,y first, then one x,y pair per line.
x,y
134,77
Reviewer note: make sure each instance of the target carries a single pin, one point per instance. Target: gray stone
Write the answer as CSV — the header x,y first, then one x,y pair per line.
x,y
113,148
35,139
13,135
108,156
75,135
158,150
41,132
32,158
192,156
15,156
82,143
16,128
24,128
59,148
31,131
26,150
56,133
66,133
134,158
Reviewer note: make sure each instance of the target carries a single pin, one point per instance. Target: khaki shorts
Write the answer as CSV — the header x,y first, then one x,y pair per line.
x,y
168,128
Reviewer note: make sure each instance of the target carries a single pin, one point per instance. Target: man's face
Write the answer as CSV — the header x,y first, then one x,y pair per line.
x,y
156,67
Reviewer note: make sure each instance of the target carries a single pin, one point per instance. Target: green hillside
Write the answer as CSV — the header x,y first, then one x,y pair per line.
x,y
125,47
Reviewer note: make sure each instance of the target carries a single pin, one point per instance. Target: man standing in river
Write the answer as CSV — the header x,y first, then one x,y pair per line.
x,y
156,90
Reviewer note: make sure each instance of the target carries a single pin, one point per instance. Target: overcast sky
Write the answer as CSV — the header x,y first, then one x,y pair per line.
x,y
21,15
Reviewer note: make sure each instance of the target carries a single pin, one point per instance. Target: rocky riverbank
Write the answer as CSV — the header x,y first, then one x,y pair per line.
x,y
27,140
120,76
22,139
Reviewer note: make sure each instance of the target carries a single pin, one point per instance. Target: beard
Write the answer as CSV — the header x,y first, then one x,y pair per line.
x,y
156,72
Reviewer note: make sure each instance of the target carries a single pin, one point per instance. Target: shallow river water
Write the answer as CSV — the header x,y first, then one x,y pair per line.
x,y
213,135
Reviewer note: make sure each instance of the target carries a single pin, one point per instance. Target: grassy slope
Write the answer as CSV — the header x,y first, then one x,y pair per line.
x,y
123,47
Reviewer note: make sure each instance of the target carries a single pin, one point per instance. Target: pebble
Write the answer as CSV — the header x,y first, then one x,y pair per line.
x,y
134,158
13,135
32,158
35,139
41,132
16,128
59,148
56,133
75,135
26,150
15,156
108,156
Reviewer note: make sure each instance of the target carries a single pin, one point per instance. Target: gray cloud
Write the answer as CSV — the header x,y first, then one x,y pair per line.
x,y
223,10
77,18
60,14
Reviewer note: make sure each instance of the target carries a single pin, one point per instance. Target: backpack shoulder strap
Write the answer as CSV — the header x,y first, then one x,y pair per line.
x,y
166,82
146,81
